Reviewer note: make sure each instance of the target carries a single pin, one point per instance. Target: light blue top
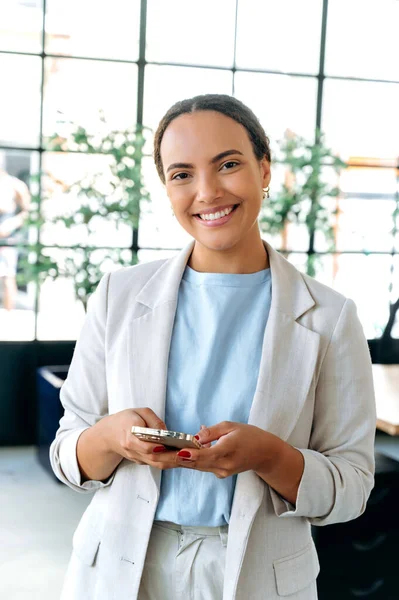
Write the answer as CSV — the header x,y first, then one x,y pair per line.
x,y
213,370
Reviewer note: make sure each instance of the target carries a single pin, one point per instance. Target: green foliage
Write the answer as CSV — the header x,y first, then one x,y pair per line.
x,y
84,265
113,194
302,199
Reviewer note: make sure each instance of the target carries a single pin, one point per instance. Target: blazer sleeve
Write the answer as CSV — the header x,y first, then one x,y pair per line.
x,y
84,393
339,463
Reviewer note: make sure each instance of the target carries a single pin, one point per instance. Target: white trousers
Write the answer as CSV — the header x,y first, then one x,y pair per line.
x,y
184,563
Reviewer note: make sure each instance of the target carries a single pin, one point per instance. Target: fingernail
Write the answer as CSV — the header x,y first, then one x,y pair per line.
x,y
184,454
159,449
196,437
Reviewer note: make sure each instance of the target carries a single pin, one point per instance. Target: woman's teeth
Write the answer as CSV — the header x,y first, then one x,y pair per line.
x,y
218,215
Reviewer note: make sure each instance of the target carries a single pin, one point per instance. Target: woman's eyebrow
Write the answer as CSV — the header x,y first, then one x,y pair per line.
x,y
181,165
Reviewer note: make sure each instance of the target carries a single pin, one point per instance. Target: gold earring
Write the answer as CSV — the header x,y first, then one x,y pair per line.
x,y
266,193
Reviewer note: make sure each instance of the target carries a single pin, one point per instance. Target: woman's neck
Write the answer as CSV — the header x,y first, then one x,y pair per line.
x,y
247,258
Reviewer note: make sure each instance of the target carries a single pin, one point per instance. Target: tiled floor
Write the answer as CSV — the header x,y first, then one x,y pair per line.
x,y
37,519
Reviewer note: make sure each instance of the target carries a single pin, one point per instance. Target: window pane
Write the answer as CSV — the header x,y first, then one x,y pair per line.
x,y
61,314
362,39
269,36
369,288
76,90
364,224
360,119
62,170
369,180
366,280
19,322
17,296
271,99
97,28
366,205
189,32
20,100
21,25
19,193
166,85
158,227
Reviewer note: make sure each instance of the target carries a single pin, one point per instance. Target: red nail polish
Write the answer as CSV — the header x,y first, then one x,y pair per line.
x,y
196,437
159,449
184,454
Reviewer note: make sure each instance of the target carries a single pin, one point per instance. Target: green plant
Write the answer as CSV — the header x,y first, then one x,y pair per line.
x,y
113,194
302,196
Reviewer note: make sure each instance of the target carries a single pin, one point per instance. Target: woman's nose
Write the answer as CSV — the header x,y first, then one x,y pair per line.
x,y
208,189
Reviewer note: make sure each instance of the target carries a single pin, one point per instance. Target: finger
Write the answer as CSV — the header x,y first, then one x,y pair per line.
x,y
210,434
157,462
152,420
204,459
205,445
149,451
147,448
163,460
152,454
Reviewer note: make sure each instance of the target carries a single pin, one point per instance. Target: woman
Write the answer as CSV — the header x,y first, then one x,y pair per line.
x,y
229,335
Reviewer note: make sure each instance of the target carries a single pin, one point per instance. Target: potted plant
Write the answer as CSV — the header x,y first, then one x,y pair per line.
x,y
302,197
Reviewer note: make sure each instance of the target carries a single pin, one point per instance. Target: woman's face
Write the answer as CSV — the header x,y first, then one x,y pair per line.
x,y
210,167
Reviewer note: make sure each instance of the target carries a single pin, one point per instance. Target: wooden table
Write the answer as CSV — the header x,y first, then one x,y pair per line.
x,y
386,384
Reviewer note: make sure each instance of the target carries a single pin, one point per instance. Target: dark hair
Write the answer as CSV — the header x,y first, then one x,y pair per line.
x,y
222,103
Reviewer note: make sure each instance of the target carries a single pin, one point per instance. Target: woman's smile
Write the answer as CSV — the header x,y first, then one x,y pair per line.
x,y
217,218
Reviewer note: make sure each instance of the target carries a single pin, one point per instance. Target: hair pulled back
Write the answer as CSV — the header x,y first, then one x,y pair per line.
x,y
224,104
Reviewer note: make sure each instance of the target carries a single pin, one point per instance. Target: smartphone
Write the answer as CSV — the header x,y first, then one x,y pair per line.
x,y
174,439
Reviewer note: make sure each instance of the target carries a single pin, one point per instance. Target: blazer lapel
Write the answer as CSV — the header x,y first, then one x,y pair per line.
x,y
289,352
286,371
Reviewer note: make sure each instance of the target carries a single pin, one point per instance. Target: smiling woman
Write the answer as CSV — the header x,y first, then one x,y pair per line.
x,y
227,341
210,162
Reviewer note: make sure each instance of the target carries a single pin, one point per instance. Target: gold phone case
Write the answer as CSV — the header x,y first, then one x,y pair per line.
x,y
174,439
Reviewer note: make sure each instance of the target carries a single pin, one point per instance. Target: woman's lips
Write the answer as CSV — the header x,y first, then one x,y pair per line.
x,y
217,222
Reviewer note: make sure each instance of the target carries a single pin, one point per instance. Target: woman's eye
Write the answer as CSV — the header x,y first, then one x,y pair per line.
x,y
232,164
180,176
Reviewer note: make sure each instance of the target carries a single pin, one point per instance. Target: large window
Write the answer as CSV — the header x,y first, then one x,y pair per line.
x,y
332,66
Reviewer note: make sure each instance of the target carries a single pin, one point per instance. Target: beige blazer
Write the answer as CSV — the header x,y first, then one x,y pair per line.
x,y
314,390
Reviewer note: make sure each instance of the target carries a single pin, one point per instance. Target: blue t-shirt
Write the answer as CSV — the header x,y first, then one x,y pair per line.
x,y
213,370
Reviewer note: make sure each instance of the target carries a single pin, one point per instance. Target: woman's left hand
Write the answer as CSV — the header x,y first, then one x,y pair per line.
x,y
240,447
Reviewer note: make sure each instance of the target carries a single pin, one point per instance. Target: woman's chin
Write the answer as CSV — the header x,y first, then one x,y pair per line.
x,y
217,241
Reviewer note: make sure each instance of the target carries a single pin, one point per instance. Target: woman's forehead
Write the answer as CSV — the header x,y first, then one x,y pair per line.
x,y
203,133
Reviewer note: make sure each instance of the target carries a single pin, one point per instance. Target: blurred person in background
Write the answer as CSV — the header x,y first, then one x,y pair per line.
x,y
14,207
270,367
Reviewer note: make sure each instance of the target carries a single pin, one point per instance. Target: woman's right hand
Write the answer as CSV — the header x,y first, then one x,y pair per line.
x,y
118,438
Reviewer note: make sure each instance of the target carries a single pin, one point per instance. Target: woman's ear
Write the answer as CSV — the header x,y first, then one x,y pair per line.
x,y
265,172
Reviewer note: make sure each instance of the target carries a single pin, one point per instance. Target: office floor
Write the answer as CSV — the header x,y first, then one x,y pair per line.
x,y
37,519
